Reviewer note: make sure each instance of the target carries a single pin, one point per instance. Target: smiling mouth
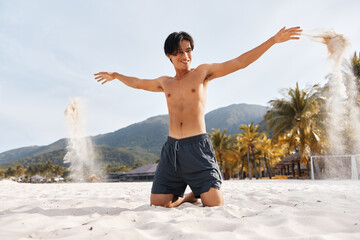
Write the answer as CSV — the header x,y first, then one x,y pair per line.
x,y
187,61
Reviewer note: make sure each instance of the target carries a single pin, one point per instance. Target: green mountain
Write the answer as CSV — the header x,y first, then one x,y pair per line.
x,y
149,135
231,117
19,153
138,143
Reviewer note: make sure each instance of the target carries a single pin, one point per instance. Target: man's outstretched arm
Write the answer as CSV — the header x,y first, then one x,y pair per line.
x,y
217,70
153,85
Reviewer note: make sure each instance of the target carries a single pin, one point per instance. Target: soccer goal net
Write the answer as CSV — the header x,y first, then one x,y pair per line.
x,y
335,167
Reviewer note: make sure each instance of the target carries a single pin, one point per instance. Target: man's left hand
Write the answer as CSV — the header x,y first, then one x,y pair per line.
x,y
286,34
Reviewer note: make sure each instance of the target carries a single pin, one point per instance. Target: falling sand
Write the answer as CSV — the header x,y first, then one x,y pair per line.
x,y
80,153
343,112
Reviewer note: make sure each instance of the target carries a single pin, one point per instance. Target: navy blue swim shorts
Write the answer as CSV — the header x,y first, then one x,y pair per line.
x,y
187,161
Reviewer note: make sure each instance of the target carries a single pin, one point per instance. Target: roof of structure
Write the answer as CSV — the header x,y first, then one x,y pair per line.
x,y
151,168
293,158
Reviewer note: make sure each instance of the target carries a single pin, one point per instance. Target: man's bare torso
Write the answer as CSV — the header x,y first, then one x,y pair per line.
x,y
186,100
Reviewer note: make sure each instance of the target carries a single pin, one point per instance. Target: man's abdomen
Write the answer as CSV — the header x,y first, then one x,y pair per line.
x,y
186,125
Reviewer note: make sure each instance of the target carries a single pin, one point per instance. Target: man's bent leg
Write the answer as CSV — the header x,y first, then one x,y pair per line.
x,y
212,198
163,200
169,201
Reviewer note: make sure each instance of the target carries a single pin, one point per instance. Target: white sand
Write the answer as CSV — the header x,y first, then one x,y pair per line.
x,y
263,209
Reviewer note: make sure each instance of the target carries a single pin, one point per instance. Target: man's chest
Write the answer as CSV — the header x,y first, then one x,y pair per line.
x,y
187,88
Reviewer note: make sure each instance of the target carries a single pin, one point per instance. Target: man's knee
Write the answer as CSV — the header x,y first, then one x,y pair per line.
x,y
166,205
214,203
212,198
161,200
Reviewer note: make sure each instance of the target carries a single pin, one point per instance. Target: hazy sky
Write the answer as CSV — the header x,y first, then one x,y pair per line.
x,y
49,51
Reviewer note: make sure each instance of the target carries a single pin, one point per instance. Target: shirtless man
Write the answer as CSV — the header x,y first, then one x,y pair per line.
x,y
187,158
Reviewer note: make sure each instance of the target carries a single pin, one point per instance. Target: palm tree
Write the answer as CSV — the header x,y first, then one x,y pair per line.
x,y
270,152
242,148
355,64
40,169
240,151
355,69
19,171
48,168
251,138
266,151
222,144
10,172
58,170
30,171
351,74
2,173
299,116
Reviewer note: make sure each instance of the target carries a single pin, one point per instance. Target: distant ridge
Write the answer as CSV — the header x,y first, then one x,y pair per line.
x,y
231,117
23,152
148,134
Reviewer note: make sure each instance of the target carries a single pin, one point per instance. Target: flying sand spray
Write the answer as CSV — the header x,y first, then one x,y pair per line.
x,y
343,111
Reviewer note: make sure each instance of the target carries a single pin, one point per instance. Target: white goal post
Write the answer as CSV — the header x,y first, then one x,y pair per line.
x,y
355,168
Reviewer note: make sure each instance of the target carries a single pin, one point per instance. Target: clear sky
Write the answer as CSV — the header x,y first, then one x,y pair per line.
x,y
49,51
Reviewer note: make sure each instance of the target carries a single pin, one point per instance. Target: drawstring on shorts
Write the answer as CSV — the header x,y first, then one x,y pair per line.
x,y
176,148
175,143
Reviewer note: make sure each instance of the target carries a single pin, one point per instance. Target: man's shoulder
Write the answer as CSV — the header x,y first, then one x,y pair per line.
x,y
204,70
203,67
164,78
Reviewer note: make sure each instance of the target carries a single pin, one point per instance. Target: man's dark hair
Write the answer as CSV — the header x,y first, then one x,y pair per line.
x,y
172,42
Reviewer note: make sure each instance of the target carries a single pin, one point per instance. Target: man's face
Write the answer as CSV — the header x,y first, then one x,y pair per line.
x,y
181,59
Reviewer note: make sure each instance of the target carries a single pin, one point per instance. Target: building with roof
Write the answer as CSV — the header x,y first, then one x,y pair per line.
x,y
291,166
141,174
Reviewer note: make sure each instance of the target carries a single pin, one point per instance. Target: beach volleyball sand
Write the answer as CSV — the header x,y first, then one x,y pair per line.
x,y
257,209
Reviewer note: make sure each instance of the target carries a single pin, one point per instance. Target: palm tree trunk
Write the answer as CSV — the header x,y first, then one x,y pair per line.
x,y
227,171
255,166
263,164
221,165
308,167
241,171
249,164
268,166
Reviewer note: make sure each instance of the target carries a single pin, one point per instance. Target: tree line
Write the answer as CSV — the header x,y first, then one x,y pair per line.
x,y
50,170
47,170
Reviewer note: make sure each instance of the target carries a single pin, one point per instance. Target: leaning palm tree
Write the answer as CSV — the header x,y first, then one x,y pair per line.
x,y
222,144
300,115
251,137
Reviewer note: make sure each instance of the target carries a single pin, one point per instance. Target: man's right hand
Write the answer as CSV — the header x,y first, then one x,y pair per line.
x,y
104,77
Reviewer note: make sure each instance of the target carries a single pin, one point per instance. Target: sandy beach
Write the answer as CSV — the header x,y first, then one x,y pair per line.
x,y
257,209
